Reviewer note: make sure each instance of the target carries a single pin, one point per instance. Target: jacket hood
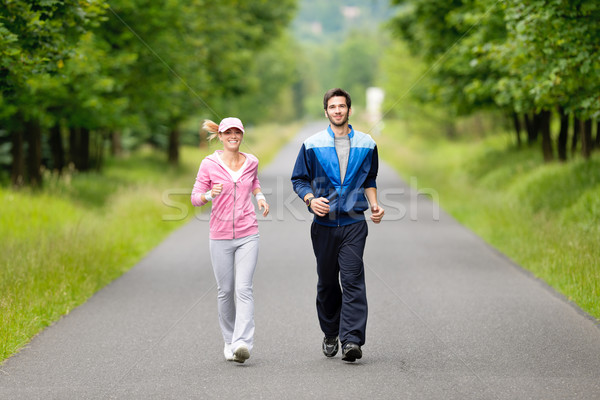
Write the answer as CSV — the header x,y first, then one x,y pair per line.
x,y
214,157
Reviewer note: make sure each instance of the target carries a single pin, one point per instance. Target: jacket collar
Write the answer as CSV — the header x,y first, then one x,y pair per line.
x,y
350,134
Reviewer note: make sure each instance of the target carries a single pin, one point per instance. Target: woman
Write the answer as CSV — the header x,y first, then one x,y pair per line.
x,y
227,177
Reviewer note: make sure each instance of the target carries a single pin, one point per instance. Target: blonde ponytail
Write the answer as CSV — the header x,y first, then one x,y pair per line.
x,y
212,128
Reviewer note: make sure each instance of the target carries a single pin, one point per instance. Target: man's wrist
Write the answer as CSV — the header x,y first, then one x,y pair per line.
x,y
309,200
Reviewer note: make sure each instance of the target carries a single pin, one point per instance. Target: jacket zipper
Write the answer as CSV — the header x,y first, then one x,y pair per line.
x,y
234,198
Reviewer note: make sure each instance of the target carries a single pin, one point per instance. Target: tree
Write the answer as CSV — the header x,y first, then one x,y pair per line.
x,y
92,70
35,37
190,52
274,85
531,57
452,38
555,51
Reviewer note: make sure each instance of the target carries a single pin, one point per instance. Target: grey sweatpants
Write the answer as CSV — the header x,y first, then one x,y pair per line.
x,y
234,262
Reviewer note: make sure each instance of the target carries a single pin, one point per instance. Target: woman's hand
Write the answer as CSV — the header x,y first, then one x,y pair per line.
x,y
263,205
216,190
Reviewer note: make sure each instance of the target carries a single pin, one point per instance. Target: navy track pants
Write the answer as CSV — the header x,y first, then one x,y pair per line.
x,y
339,252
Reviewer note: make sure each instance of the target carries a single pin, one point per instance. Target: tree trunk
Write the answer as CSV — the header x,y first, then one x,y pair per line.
x,y
116,145
173,151
33,135
586,138
532,124
74,147
84,149
528,127
57,149
597,142
17,171
517,125
544,121
576,134
99,157
79,148
563,136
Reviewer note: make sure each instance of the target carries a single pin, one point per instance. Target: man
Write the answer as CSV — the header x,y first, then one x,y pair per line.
x,y
335,175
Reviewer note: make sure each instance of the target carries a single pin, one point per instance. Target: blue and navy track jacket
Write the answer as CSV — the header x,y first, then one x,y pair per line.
x,y
317,171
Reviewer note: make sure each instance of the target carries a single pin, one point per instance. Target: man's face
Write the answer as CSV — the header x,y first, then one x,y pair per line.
x,y
337,111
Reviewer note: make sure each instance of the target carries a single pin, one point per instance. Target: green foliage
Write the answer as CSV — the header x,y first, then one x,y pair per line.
x,y
342,43
543,216
521,56
318,21
556,187
552,48
403,76
450,37
584,212
274,84
358,61
36,37
139,66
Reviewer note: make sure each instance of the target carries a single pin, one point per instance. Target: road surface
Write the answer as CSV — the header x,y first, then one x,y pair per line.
x,y
449,318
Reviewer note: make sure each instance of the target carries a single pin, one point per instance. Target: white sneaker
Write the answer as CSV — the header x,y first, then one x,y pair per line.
x,y
241,354
227,352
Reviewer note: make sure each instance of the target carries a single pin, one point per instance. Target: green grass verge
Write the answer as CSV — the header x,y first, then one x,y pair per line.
x,y
544,216
61,245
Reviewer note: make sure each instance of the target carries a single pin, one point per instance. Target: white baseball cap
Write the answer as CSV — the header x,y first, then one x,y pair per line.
x,y
231,122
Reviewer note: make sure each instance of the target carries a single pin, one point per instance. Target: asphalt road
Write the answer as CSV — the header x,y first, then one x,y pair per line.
x,y
449,318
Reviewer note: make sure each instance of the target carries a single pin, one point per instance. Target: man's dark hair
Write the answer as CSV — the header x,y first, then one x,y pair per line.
x,y
334,93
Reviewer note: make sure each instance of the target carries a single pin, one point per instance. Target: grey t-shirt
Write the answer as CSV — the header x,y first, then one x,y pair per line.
x,y
342,147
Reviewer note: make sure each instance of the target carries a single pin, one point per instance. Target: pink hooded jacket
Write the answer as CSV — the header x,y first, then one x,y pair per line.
x,y
232,215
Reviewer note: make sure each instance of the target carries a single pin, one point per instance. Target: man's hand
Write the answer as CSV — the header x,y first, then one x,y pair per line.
x,y
319,206
376,213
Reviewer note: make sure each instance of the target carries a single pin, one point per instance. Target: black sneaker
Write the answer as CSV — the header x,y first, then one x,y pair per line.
x,y
330,346
351,352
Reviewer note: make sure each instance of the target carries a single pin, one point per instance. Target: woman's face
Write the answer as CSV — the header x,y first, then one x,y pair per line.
x,y
231,138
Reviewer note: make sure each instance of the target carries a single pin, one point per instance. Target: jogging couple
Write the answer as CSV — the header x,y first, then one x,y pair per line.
x,y
335,175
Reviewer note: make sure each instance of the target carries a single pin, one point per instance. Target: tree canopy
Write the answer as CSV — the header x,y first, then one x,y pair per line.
x,y
71,69
533,57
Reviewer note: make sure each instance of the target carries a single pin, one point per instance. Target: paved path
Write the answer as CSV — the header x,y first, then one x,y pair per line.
x,y
450,318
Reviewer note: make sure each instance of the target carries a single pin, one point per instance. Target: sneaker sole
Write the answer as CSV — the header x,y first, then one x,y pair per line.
x,y
352,355
329,355
333,352
228,354
241,354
